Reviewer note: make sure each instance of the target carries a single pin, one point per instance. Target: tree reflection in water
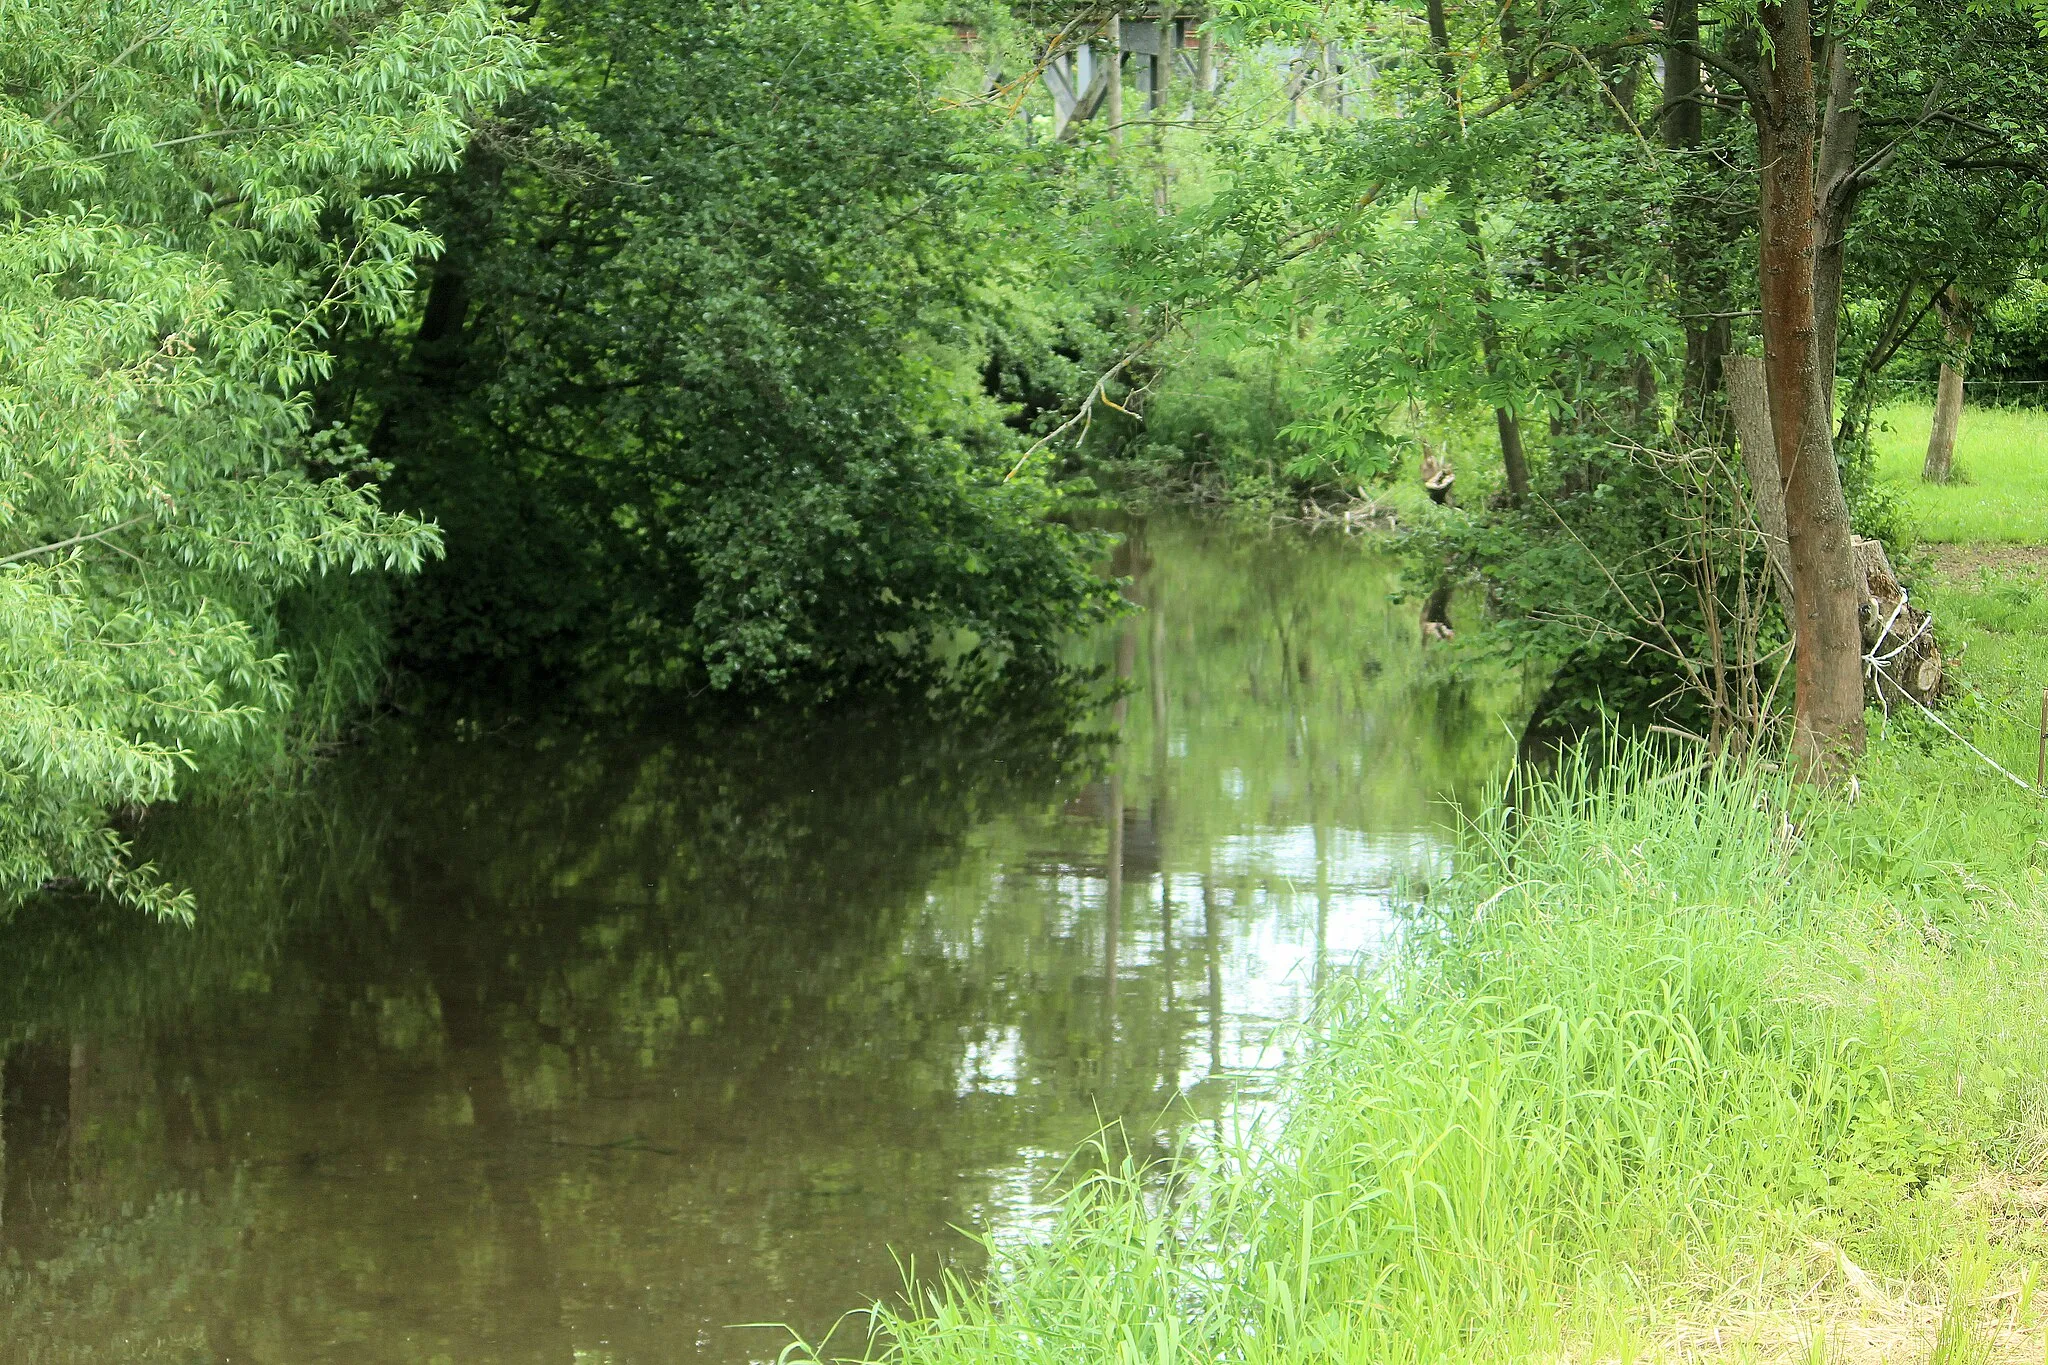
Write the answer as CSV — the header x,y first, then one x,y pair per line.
x,y
508,1048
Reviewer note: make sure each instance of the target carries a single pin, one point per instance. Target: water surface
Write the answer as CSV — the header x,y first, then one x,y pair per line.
x,y
565,1047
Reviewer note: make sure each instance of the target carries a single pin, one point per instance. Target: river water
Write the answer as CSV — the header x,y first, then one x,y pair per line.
x,y
552,1047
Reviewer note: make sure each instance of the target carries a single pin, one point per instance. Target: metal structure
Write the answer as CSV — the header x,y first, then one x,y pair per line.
x,y
1162,46
1166,45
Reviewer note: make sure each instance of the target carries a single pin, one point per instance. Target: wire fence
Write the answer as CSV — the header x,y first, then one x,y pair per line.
x,y
1989,392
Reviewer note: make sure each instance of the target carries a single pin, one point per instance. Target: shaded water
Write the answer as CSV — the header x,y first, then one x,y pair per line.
x,y
568,1048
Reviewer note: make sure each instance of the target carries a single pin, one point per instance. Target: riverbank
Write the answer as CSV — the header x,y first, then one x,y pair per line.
x,y
1717,1069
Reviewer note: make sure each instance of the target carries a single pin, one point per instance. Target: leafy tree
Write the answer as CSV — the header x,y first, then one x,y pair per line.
x,y
1575,210
697,389
190,197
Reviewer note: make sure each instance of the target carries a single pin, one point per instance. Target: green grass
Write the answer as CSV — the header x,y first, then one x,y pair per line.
x,y
2000,493
1669,1056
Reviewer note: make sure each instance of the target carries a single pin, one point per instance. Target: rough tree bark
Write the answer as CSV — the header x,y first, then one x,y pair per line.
x,y
1681,108
1827,730
1948,396
1749,403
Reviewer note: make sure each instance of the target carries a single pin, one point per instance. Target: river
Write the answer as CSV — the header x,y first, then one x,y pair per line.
x,y
543,1046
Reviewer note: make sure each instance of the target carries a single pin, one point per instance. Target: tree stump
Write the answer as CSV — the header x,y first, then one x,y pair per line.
x,y
1437,478
1897,634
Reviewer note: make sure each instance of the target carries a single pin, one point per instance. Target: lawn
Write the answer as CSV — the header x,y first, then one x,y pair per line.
x,y
2001,491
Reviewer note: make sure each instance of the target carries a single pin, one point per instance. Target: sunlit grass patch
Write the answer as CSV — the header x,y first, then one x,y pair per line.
x,y
2000,492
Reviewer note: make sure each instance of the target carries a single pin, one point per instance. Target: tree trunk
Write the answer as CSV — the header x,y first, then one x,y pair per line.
x,y
1707,337
1837,190
1827,730
1681,108
1749,402
1948,397
1513,57
1514,461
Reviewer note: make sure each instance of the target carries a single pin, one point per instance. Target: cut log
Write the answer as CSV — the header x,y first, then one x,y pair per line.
x,y
1897,634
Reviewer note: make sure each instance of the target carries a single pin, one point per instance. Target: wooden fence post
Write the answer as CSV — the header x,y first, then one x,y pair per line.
x,y
2041,756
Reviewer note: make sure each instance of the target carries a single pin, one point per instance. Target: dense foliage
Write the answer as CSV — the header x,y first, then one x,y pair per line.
x,y
751,335
697,389
697,392
190,207
1523,241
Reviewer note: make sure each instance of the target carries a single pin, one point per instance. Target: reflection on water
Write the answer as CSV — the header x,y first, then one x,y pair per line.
x,y
552,1048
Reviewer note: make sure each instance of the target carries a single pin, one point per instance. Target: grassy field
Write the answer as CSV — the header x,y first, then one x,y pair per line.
x,y
2001,493
1696,1067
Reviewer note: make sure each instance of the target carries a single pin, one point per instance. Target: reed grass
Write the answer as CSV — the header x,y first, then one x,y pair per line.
x,y
1685,1046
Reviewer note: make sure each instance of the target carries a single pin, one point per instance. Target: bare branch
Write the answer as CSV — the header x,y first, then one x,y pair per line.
x,y
56,111
75,540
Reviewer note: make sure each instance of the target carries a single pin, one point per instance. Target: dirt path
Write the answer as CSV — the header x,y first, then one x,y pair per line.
x,y
1958,562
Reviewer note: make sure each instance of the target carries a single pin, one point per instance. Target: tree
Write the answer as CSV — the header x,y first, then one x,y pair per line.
x,y
1799,371
189,189
696,389
1940,71
1824,168
1507,423
1948,398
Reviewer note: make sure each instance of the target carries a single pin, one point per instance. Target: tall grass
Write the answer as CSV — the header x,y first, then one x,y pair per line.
x,y
1634,1066
2000,492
